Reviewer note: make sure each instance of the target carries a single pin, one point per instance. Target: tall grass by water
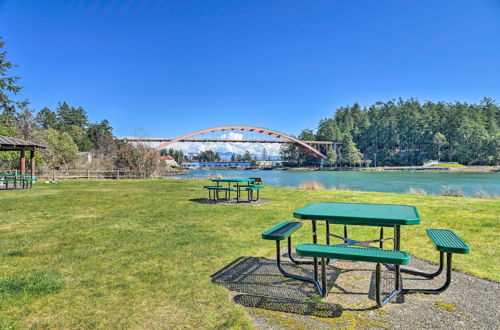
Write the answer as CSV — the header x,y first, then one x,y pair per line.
x,y
315,185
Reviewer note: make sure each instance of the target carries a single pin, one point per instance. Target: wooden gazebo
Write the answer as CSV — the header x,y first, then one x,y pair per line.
x,y
11,144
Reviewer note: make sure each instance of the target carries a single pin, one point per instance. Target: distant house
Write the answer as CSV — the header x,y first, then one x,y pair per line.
x,y
169,160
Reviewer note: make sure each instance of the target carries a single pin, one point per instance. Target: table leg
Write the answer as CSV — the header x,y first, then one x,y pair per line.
x,y
315,241
397,246
381,244
327,237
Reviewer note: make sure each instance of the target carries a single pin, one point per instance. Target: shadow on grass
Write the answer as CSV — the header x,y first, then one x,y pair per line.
x,y
231,201
257,282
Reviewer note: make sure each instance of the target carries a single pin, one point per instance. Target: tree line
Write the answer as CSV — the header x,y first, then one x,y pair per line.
x,y
406,133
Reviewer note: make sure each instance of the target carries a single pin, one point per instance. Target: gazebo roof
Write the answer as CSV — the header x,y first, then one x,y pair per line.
x,y
8,143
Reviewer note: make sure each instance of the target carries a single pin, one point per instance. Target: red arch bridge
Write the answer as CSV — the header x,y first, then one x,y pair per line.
x,y
312,148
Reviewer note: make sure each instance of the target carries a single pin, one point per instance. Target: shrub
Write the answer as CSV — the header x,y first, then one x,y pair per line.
x,y
311,185
481,193
453,191
416,191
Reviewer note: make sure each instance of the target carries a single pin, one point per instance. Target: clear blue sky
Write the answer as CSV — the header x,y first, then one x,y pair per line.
x,y
167,68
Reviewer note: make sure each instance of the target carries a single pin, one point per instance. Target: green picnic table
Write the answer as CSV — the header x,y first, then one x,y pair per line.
x,y
375,215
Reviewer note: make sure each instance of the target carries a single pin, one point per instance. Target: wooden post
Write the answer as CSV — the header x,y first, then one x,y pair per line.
x,y
88,174
32,158
23,161
53,175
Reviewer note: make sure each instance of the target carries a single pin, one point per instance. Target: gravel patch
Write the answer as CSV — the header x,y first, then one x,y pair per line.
x,y
277,302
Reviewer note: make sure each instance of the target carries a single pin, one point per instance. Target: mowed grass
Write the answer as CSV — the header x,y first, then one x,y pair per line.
x,y
101,254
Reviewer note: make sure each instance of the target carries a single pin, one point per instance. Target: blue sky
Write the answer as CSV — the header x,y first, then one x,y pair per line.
x,y
163,69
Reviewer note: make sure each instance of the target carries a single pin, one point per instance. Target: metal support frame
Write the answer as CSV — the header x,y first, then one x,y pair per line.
x,y
446,283
216,197
397,286
250,195
295,261
321,287
428,275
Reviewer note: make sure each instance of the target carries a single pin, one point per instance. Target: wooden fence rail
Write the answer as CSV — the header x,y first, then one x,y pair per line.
x,y
54,175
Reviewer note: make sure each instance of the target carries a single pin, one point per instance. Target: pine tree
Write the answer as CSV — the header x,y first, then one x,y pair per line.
x,y
331,155
350,153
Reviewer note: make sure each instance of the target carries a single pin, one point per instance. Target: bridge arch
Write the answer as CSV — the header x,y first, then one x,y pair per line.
x,y
303,146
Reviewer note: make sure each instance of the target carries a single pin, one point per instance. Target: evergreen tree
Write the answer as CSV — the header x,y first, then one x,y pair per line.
x,y
350,154
8,89
439,141
331,156
46,118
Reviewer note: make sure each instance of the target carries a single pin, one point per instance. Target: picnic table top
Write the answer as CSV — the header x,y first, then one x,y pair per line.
x,y
360,214
233,180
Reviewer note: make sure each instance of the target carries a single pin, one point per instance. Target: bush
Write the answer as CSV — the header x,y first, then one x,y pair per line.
x,y
453,191
416,191
311,185
140,159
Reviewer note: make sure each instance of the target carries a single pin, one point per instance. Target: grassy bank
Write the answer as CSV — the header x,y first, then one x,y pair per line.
x,y
140,253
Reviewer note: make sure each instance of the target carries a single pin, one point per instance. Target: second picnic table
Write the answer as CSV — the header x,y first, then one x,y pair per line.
x,y
240,183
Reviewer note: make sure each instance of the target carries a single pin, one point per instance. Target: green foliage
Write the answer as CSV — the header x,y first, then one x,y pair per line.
x,y
8,88
406,132
61,149
70,116
177,155
331,156
209,156
46,118
350,155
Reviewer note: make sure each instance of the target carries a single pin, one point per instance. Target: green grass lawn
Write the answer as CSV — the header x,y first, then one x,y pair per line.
x,y
83,254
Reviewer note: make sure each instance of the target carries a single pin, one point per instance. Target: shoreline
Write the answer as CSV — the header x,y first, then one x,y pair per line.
x,y
415,169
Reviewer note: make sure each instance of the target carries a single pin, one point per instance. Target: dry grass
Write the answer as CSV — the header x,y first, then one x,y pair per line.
x,y
416,191
311,185
341,187
453,191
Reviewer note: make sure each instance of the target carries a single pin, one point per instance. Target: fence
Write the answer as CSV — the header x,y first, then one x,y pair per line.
x,y
54,175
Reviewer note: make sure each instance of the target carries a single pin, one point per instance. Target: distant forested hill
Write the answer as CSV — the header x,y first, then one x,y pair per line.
x,y
407,132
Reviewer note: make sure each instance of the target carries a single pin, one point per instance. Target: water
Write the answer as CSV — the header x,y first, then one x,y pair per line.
x,y
396,182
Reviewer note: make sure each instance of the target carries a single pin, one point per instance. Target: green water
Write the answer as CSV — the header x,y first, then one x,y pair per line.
x,y
397,182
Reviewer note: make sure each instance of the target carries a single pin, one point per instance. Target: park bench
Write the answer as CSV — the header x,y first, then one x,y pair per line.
x,y
448,242
214,190
374,255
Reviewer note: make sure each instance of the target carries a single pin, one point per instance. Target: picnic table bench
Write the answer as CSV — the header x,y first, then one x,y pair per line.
x,y
214,190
